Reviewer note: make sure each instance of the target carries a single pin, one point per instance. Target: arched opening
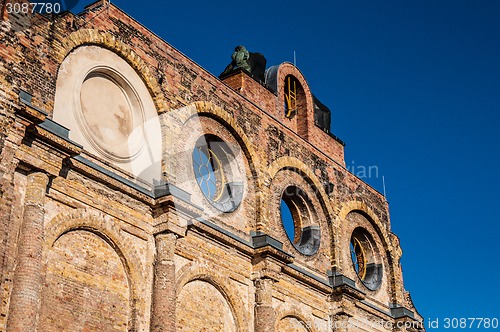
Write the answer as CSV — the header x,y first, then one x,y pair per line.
x,y
216,178
296,219
366,258
292,324
295,103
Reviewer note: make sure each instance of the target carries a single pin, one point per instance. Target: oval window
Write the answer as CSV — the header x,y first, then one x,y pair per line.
x,y
212,168
365,259
296,218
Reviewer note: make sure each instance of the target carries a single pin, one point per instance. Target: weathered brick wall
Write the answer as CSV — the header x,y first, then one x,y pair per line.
x,y
101,254
214,281
291,324
85,286
191,316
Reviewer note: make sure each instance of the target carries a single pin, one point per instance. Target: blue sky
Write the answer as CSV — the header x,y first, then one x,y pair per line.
x,y
414,89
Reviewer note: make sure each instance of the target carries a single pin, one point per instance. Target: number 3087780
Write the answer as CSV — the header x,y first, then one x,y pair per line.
x,y
33,7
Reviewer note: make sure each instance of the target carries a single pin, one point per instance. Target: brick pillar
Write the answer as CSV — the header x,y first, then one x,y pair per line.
x,y
164,292
27,284
265,317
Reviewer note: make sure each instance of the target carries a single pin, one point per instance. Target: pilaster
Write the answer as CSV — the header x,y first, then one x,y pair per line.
x,y
27,285
164,292
265,316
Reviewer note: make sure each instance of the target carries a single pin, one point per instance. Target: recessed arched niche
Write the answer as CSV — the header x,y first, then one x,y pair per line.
x,y
86,285
202,307
109,111
298,218
365,249
290,323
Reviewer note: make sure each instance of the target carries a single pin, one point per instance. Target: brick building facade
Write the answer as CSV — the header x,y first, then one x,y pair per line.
x,y
138,192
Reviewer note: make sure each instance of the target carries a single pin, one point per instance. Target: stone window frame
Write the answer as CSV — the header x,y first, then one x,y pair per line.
x,y
366,258
229,189
307,234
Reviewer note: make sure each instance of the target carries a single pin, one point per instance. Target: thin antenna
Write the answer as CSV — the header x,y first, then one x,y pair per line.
x,y
294,59
383,184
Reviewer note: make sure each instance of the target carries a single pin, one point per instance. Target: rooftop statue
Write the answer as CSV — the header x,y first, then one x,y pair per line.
x,y
253,63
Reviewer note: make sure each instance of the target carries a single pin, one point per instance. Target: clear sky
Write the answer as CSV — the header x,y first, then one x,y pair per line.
x,y
414,89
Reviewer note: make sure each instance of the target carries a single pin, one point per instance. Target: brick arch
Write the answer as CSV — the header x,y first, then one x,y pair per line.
x,y
227,120
304,122
286,69
190,273
101,225
300,167
353,206
391,249
292,163
103,39
293,312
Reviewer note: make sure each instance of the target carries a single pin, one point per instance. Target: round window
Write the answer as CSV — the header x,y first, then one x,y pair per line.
x,y
365,259
212,168
296,215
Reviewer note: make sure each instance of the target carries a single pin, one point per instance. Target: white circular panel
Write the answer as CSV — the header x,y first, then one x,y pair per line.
x,y
110,115
109,110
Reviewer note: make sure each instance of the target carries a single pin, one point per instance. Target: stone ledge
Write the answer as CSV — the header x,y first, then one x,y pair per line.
x,y
218,233
29,110
56,135
398,311
308,278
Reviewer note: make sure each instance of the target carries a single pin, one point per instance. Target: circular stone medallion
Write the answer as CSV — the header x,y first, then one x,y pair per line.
x,y
111,116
